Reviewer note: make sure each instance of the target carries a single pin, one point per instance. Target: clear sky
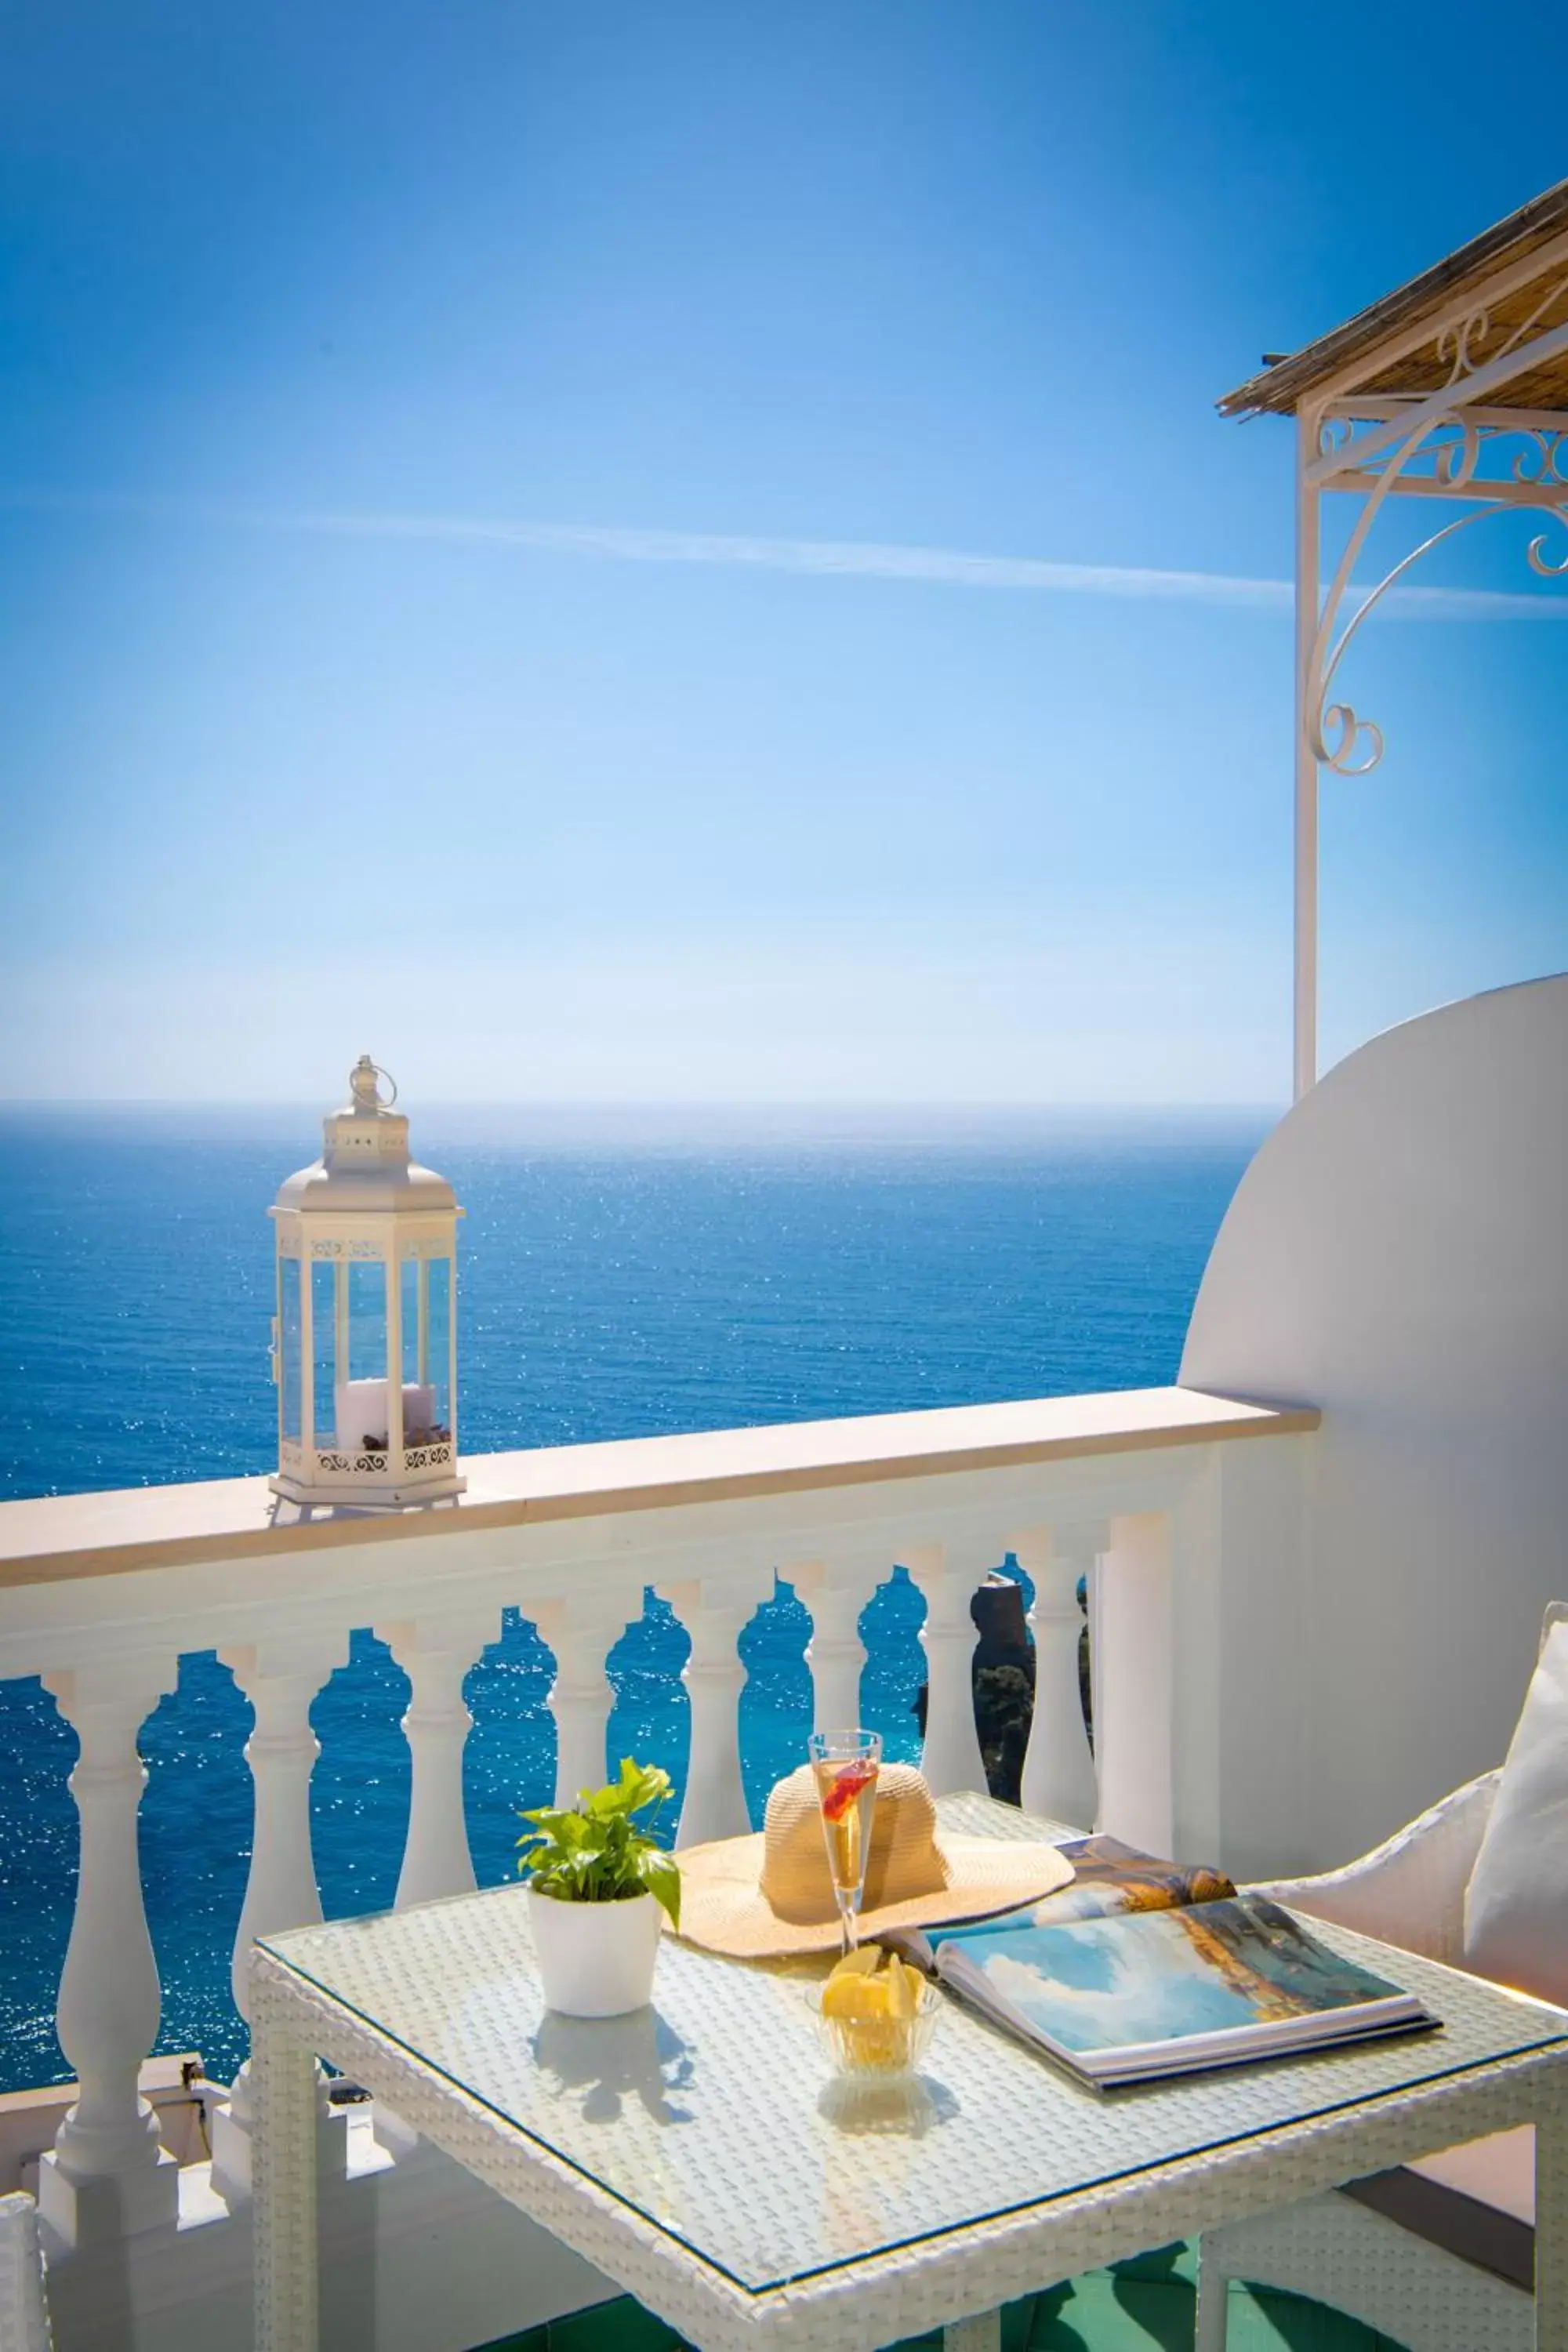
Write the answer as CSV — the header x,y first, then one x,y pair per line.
x,y
599,550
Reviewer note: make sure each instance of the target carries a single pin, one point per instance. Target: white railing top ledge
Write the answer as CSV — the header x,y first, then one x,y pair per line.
x,y
65,1535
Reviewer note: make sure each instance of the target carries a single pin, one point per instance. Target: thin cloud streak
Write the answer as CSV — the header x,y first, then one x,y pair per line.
x,y
819,558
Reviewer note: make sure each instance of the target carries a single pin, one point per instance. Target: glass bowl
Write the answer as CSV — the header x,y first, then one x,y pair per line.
x,y
880,2048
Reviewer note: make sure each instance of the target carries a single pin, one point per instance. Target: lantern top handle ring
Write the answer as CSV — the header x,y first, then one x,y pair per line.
x,y
362,1085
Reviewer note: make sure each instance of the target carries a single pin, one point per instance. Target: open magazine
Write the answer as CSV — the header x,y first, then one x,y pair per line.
x,y
1140,1969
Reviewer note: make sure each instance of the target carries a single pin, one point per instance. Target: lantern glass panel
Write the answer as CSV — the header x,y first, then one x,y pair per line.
x,y
409,1288
436,1275
290,1348
324,1373
421,1402
367,1320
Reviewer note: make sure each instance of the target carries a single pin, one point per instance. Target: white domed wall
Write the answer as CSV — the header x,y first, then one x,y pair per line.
x,y
1398,1253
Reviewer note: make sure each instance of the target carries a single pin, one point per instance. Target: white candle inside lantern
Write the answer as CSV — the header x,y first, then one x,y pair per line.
x,y
418,1411
362,1413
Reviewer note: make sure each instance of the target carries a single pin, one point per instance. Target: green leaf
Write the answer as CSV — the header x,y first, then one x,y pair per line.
x,y
562,1825
606,1803
661,1876
651,1782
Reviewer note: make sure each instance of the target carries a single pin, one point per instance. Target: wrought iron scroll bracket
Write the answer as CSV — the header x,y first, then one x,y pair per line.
x,y
1339,738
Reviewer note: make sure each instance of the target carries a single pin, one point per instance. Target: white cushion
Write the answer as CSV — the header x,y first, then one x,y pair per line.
x,y
1499,2171
1516,1905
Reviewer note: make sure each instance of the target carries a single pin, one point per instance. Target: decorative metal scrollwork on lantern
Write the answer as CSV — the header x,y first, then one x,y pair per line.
x,y
364,1346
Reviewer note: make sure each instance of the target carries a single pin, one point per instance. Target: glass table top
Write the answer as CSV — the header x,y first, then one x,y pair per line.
x,y
715,2114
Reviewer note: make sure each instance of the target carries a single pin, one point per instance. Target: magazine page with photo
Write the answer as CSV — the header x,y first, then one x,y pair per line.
x,y
1137,1995
1143,1968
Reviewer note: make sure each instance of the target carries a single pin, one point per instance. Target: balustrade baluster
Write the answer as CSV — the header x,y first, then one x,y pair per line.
x,y
1059,1779
1134,1692
108,2173
581,1632
835,1592
436,1654
280,1676
715,1611
951,1758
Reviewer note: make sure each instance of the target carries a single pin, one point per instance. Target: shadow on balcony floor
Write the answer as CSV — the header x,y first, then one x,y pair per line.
x,y
1145,2305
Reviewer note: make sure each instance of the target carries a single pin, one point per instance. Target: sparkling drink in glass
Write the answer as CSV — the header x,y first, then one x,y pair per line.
x,y
845,1765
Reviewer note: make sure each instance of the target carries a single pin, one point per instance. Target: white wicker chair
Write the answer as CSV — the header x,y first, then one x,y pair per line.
x,y
23,2313
1438,2255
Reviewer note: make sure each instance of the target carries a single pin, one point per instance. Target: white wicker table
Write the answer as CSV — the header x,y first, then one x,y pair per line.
x,y
700,2154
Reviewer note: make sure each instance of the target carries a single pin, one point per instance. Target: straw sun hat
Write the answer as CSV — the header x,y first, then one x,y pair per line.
x,y
763,1896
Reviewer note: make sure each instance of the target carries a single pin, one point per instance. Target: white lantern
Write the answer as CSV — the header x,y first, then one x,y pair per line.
x,y
365,1343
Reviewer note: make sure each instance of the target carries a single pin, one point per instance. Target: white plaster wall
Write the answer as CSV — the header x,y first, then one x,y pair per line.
x,y
1398,1253
419,2256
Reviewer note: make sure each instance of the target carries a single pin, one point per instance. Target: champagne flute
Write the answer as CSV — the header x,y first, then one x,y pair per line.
x,y
844,1764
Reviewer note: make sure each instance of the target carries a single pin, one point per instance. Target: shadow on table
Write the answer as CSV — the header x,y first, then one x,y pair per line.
x,y
610,2060
906,2108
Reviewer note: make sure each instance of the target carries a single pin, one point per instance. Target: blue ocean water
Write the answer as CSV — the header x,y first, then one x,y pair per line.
x,y
621,1275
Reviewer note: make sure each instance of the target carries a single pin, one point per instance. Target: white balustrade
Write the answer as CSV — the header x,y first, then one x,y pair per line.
x,y
715,1612
949,1577
436,1654
1134,1697
836,1593
581,1632
108,2175
1126,1490
1058,1779
280,1676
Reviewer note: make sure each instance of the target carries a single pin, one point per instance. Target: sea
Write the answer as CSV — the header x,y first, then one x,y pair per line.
x,y
622,1273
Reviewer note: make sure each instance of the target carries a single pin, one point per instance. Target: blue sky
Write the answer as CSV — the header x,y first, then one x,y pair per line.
x,y
460,468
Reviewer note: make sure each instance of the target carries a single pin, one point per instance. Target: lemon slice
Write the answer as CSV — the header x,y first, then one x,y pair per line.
x,y
863,1961
905,1986
857,2000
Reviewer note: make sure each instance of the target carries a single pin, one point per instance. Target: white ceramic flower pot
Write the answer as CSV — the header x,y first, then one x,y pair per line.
x,y
596,1959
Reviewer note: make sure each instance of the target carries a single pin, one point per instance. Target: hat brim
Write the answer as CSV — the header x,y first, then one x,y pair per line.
x,y
723,1908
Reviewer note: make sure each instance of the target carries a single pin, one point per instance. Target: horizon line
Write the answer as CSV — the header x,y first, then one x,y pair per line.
x,y
706,1106
807,558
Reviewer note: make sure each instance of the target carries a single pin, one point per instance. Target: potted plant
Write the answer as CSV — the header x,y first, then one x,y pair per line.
x,y
599,1887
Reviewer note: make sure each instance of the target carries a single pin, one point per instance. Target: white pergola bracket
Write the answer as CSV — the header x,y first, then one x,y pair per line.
x,y
1409,400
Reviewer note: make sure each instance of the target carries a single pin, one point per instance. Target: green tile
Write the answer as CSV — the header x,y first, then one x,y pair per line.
x,y
1144,2305
1266,2321
622,2326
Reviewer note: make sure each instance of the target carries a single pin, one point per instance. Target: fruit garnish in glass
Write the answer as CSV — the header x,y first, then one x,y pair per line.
x,y
844,1764
876,2015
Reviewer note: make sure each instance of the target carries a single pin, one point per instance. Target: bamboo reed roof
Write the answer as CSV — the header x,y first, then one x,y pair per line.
x,y
1381,352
